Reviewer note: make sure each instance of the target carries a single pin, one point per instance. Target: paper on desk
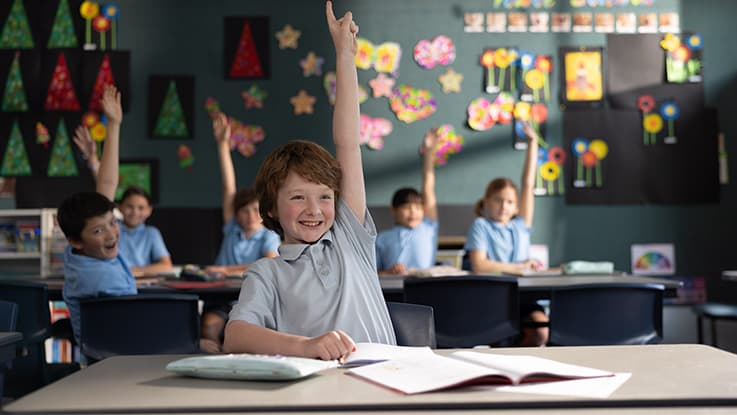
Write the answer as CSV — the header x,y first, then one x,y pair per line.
x,y
583,388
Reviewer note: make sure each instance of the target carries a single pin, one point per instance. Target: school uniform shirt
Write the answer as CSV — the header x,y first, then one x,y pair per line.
x,y
142,245
413,247
502,243
86,277
311,289
238,249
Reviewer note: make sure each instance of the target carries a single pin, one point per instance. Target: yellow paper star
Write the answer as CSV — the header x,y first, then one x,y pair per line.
x,y
302,102
451,81
288,37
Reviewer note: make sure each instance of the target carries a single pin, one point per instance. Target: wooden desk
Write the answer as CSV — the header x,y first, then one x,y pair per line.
x,y
662,376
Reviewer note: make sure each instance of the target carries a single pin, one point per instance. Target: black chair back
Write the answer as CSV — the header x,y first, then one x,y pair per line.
x,y
139,324
606,314
468,310
8,320
414,324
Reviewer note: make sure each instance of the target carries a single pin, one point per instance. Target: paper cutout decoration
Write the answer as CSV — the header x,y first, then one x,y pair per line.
x,y
311,64
411,104
171,121
501,69
653,259
16,32
243,137
382,86
138,172
583,78
683,61
384,57
451,81
254,97
535,114
98,132
111,12
62,162
536,70
90,118
62,31
288,37
449,143
185,156
14,97
61,95
246,63
88,10
329,84
653,119
15,159
373,131
589,155
101,24
538,4
502,108
480,116
549,173
104,77
302,102
42,135
439,51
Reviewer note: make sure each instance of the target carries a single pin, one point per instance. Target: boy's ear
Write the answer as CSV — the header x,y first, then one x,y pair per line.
x,y
76,244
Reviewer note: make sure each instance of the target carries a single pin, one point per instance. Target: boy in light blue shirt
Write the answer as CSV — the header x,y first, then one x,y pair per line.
x,y
141,245
412,242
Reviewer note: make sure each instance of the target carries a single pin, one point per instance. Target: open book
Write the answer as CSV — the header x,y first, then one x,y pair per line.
x,y
425,373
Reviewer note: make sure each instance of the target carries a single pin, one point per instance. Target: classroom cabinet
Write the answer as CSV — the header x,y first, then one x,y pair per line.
x,y
31,243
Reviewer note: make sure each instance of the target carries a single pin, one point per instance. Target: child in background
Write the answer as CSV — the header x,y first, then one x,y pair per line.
x,y
499,239
412,243
322,292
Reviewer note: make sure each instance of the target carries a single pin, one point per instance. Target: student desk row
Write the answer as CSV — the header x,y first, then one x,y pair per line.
x,y
663,376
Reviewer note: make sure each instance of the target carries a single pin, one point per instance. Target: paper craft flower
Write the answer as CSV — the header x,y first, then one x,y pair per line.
x,y
670,42
589,159
538,113
542,154
311,64
522,111
90,118
544,63
288,37
579,146
186,159
110,10
365,53
449,142
502,58
694,41
373,131
410,104
98,132
505,103
387,57
382,86
549,171
646,103
439,51
527,60
89,9
669,110
682,53
302,102
362,94
254,97
42,135
599,148
557,155
451,81
652,123
329,83
479,115
487,58
101,23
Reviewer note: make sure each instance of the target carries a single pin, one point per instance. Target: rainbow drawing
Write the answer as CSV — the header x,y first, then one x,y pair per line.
x,y
653,261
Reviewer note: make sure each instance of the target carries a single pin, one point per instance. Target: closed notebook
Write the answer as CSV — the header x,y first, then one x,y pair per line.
x,y
248,367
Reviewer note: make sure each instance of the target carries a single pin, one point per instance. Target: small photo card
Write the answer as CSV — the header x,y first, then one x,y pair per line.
x,y
496,22
669,23
653,259
517,22
626,23
582,22
473,22
539,22
560,22
604,23
647,23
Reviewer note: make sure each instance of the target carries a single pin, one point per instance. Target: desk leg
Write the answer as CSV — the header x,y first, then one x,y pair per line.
x,y
713,332
700,327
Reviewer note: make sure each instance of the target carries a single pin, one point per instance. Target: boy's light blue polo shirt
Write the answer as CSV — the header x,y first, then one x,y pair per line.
x,y
142,245
312,289
86,277
238,249
502,243
413,247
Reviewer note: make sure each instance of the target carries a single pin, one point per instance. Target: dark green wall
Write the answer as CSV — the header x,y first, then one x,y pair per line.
x,y
185,37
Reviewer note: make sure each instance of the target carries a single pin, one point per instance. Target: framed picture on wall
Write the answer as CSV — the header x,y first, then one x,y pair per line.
x,y
246,50
582,76
171,106
143,173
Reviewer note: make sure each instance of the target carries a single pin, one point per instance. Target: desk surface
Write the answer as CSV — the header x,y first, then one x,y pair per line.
x,y
662,375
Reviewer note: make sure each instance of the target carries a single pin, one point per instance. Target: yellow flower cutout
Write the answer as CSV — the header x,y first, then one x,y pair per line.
x,y
451,81
502,58
535,78
599,148
365,54
670,42
387,57
288,37
522,111
89,10
549,171
652,123
98,132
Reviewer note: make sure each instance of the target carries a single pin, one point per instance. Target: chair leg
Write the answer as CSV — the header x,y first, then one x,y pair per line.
x,y
700,327
714,332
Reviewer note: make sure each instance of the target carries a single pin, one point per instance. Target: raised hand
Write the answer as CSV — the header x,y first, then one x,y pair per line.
x,y
111,104
343,30
332,345
430,140
531,133
221,128
85,143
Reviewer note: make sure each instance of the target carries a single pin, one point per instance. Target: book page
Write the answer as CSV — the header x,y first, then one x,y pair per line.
x,y
599,388
367,353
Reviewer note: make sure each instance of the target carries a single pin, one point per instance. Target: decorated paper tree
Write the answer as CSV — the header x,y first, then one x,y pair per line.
x,y
104,77
15,160
14,98
16,32
62,32
62,159
61,96
246,63
171,122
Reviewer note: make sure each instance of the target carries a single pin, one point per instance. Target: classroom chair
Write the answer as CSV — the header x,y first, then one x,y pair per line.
x,y
139,324
469,310
414,324
713,312
30,370
8,321
606,314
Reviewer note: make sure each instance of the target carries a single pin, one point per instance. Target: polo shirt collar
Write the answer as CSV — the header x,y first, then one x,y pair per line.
x,y
290,252
131,231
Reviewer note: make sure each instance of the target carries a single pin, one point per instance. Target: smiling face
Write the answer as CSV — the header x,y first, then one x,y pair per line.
x,y
249,218
408,214
501,206
305,210
99,237
135,209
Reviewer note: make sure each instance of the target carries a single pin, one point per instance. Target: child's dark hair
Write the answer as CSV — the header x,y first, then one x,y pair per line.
x,y
494,186
135,191
244,197
74,211
307,159
406,195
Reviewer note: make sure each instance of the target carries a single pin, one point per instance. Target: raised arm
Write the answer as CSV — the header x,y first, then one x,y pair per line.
x,y
430,203
107,176
527,195
346,114
221,132
87,146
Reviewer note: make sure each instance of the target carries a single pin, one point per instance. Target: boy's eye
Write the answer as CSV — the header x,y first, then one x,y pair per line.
x,y
327,197
296,197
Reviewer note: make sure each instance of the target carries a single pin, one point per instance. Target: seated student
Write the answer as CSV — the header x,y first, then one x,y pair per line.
x,y
499,239
412,242
322,292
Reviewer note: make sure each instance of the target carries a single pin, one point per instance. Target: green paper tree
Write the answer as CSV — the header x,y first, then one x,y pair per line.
x,y
14,98
62,32
170,122
16,32
15,160
62,159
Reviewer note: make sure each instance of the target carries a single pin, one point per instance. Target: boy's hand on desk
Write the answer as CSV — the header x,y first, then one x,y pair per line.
x,y
396,269
330,346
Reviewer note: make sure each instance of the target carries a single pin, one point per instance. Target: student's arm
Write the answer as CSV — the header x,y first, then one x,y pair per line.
x,y
527,195
481,264
242,337
163,264
221,131
87,146
236,269
430,203
346,114
107,176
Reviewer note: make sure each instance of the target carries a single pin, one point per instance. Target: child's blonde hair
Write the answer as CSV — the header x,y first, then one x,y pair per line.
x,y
496,185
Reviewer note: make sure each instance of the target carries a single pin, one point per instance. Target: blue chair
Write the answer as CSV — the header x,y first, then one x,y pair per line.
x,y
139,324
414,324
713,312
606,314
468,310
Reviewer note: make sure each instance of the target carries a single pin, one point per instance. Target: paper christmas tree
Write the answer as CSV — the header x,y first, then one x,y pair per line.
x,y
14,98
16,32
104,77
62,158
171,122
246,63
61,96
15,160
62,32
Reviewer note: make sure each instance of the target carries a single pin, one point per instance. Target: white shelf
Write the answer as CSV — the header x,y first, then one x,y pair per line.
x,y
20,255
49,237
